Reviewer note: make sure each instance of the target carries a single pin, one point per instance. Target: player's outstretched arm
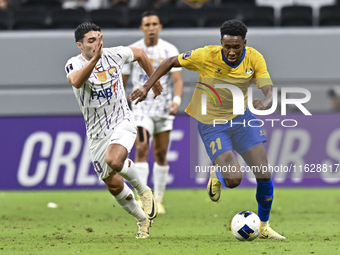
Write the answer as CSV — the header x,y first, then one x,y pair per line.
x,y
178,92
143,60
162,69
79,77
145,63
268,100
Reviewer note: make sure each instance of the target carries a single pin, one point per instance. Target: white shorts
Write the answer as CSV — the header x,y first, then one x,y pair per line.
x,y
124,134
153,124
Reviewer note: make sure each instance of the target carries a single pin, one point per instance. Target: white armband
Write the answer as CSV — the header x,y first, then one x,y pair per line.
x,y
177,100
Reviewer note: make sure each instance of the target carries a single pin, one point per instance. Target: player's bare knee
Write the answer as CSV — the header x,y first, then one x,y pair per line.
x,y
160,157
115,188
116,165
129,197
263,176
233,182
142,150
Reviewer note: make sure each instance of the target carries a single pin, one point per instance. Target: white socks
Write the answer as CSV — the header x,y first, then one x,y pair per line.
x,y
160,176
143,170
130,174
131,205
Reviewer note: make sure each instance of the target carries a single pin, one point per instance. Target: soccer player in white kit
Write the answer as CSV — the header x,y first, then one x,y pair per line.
x,y
154,116
97,84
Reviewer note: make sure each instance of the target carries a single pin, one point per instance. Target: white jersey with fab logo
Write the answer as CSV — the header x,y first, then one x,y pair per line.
x,y
158,107
102,98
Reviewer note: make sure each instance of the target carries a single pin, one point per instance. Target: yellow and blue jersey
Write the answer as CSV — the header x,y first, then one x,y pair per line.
x,y
214,69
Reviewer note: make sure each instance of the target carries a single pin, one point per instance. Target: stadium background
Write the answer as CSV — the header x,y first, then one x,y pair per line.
x,y
43,144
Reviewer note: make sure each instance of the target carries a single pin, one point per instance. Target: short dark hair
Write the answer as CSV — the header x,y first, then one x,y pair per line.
x,y
84,28
149,13
234,27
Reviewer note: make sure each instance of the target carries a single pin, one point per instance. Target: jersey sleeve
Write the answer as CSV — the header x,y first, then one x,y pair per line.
x,y
127,68
262,77
123,52
173,51
72,65
192,60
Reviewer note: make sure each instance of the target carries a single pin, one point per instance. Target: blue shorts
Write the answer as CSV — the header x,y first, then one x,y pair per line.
x,y
233,135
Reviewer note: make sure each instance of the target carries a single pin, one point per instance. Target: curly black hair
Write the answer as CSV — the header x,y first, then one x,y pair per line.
x,y
84,28
234,27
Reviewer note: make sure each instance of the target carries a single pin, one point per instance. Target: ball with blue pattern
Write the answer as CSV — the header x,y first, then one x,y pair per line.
x,y
245,226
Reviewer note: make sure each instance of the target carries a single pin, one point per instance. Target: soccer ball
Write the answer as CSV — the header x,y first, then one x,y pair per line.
x,y
245,226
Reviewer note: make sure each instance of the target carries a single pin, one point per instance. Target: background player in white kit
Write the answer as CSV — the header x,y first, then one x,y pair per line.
x,y
97,84
154,116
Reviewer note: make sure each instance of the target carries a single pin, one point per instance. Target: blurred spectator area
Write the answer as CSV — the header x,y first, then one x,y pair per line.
x,y
66,14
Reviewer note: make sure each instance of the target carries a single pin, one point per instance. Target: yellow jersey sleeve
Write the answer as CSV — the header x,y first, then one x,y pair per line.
x,y
261,77
192,60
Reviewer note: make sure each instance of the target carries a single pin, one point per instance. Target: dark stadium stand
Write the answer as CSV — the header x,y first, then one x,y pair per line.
x,y
329,16
4,20
214,17
43,14
29,19
182,18
67,18
296,16
41,4
109,18
260,16
238,3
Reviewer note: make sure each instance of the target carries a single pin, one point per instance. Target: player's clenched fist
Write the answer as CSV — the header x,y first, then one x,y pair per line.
x,y
258,104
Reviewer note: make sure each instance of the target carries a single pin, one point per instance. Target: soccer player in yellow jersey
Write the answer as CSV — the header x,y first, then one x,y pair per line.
x,y
235,65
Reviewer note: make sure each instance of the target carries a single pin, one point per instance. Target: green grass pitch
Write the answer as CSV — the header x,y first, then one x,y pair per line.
x,y
91,222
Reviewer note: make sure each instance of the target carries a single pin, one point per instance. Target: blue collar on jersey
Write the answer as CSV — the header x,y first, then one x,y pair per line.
x,y
234,66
